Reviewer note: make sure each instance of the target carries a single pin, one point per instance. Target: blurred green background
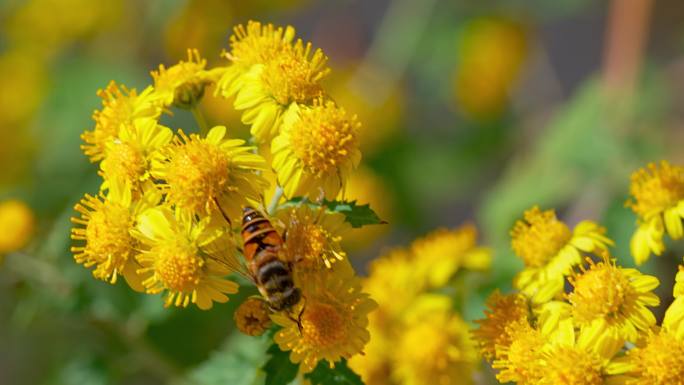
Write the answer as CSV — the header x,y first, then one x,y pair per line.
x,y
471,111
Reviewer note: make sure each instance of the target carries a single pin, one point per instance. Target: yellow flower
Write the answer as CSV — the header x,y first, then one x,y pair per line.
x,y
313,234
289,78
120,106
678,289
255,44
658,200
576,359
441,253
434,346
374,366
504,310
334,319
610,299
17,224
199,174
550,249
252,317
128,157
316,151
516,359
183,84
107,232
185,258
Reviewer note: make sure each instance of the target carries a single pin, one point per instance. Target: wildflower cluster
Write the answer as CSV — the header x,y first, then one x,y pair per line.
x,y
579,318
168,215
418,337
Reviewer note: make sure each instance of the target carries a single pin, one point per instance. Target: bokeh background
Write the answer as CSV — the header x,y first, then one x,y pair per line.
x,y
472,111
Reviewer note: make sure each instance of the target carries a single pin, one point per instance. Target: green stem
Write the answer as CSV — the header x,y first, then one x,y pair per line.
x,y
199,118
274,201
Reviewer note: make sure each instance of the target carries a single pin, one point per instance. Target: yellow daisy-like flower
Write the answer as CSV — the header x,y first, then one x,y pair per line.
x,y
17,224
289,78
183,84
185,258
128,157
254,44
334,319
441,253
610,299
374,366
658,200
252,317
316,151
550,249
313,234
107,224
516,359
434,346
120,106
201,174
492,332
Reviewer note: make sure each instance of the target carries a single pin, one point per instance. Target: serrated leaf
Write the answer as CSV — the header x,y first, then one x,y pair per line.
x,y
279,370
356,215
323,374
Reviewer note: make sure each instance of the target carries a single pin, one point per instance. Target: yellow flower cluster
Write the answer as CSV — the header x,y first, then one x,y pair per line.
x,y
169,211
581,319
418,336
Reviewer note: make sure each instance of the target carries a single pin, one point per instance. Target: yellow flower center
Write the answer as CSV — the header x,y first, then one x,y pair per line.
x,y
656,189
252,317
291,77
600,292
323,325
660,362
504,311
570,366
124,162
16,225
518,359
539,237
178,266
324,138
108,238
197,173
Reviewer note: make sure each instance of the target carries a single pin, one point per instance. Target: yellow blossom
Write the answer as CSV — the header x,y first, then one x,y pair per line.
x,y
183,84
658,200
316,151
441,253
107,223
120,106
128,157
17,224
550,249
517,357
334,318
185,258
374,366
289,78
313,234
252,317
434,346
610,299
201,175
503,310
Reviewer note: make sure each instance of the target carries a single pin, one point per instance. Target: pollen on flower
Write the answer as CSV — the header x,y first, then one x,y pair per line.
x,y
503,310
178,266
602,290
324,138
294,75
659,362
539,236
252,317
656,188
108,242
323,325
197,172
257,43
570,365
124,162
517,358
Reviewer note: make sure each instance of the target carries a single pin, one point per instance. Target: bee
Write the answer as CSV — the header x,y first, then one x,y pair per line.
x,y
272,276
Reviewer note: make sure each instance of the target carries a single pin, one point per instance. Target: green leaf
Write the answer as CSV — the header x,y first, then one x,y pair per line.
x,y
356,215
279,370
339,375
236,363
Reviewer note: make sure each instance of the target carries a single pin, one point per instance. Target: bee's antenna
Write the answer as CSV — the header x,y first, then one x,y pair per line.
x,y
223,213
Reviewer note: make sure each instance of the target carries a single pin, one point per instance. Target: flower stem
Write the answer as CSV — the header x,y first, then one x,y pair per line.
x,y
274,201
199,118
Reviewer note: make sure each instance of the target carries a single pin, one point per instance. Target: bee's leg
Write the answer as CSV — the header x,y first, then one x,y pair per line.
x,y
223,212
